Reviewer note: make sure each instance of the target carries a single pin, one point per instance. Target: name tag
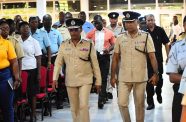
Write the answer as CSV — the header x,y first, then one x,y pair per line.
x,y
84,49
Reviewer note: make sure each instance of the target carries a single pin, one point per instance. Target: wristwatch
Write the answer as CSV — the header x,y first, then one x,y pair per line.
x,y
156,73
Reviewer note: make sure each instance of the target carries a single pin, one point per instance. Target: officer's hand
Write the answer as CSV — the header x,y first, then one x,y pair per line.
x,y
98,88
113,82
55,85
154,79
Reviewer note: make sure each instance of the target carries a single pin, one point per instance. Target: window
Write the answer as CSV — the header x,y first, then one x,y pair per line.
x,y
118,4
143,4
74,5
13,5
170,4
32,5
97,5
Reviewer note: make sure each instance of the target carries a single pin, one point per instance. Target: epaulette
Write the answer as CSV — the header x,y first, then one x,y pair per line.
x,y
125,32
181,33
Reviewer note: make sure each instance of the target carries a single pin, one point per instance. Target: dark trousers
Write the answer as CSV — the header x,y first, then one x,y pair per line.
x,y
6,96
150,90
176,104
104,64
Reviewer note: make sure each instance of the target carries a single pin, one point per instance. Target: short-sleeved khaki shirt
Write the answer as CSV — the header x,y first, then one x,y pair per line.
x,y
133,66
78,71
17,45
64,32
117,30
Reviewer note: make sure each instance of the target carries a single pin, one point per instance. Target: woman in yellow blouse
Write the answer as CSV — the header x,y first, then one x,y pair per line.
x,y
9,72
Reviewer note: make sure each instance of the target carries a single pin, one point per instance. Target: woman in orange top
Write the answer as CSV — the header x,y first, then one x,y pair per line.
x,y
9,72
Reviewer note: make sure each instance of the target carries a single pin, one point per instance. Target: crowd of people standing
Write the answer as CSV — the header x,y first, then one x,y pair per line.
x,y
92,57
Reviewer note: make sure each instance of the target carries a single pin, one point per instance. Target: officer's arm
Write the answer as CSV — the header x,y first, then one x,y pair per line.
x,y
95,66
153,61
49,54
167,49
59,62
115,60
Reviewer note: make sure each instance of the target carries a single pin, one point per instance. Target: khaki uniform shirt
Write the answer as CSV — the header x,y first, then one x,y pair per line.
x,y
78,71
64,32
117,30
133,67
182,36
15,39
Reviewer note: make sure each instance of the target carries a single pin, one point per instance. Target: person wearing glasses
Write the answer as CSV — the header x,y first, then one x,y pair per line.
x,y
81,62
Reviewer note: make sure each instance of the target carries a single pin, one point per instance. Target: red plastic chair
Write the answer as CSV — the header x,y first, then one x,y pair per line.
x,y
42,97
23,104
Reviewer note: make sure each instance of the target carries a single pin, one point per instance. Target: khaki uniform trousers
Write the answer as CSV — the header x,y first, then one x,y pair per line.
x,y
124,90
183,118
79,98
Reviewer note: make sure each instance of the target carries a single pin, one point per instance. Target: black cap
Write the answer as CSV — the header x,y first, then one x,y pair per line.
x,y
131,15
184,19
142,19
113,15
74,23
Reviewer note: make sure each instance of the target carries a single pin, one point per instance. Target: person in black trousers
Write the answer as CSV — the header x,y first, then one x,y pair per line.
x,y
159,38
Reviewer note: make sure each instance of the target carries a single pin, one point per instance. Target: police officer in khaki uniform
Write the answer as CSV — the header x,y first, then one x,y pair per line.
x,y
81,62
133,48
114,27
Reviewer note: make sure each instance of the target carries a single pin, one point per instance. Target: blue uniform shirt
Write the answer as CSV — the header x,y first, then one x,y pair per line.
x,y
42,37
87,27
177,60
55,39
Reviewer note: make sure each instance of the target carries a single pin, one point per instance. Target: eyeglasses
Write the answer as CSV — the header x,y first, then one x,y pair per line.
x,y
73,29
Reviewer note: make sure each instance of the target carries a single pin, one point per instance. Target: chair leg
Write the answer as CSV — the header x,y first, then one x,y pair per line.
x,y
50,105
42,110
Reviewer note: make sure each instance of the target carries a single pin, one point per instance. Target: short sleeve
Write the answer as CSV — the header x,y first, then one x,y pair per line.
x,y
172,65
182,88
117,45
37,48
150,44
11,51
60,38
112,39
165,38
46,39
19,50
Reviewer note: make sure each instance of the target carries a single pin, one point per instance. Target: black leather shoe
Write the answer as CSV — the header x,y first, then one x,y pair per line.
x,y
100,105
159,99
150,107
46,113
59,107
34,119
109,95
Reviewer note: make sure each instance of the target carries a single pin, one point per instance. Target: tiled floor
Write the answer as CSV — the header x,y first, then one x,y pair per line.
x,y
110,113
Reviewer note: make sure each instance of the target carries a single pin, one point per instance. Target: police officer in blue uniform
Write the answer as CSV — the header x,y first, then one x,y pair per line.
x,y
175,66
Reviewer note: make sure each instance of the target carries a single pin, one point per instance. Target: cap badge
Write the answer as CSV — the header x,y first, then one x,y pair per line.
x,y
73,22
143,19
127,15
114,15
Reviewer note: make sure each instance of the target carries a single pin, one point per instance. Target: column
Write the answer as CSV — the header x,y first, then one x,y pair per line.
x,y
41,8
84,4
129,5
